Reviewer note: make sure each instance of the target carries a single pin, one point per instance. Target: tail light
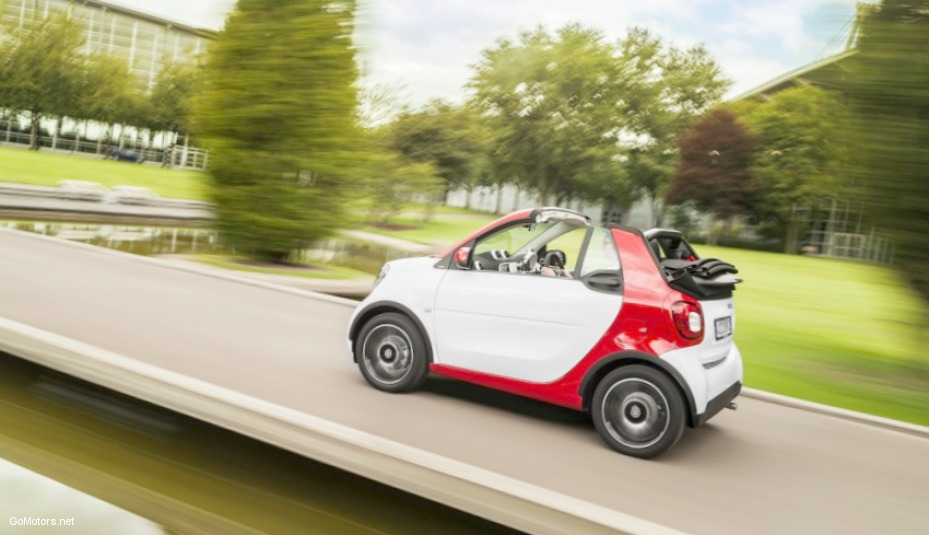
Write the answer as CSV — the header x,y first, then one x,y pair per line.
x,y
688,319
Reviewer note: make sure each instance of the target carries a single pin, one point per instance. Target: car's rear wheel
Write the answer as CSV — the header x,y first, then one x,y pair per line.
x,y
391,353
638,411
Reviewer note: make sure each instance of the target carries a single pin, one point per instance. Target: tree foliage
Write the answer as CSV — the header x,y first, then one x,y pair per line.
x,y
110,92
690,82
714,171
574,116
278,112
176,84
44,72
446,137
41,68
890,105
391,182
801,155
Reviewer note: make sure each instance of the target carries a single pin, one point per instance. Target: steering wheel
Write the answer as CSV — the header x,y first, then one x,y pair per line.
x,y
555,259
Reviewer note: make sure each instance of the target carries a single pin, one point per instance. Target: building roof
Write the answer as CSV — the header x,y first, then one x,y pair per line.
x,y
109,6
830,72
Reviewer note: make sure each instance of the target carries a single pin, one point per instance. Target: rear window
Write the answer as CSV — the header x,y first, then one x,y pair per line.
x,y
601,253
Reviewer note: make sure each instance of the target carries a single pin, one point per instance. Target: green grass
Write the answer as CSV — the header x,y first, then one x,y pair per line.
x,y
834,332
317,271
46,169
444,229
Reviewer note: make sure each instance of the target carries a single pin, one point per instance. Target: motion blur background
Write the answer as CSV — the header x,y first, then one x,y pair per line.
x,y
790,138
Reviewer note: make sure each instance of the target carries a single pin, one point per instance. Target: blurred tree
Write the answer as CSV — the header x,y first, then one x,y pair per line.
x,y
714,169
279,113
890,104
447,137
801,155
41,68
110,95
172,94
576,117
379,101
392,183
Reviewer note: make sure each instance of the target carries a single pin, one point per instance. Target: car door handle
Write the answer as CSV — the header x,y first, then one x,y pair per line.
x,y
608,281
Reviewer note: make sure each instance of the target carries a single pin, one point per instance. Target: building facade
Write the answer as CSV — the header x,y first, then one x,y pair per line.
x,y
144,41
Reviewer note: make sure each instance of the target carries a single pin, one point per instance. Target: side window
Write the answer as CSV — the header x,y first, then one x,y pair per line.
x,y
601,253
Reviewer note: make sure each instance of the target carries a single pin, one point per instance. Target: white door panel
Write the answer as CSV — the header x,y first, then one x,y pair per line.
x,y
521,326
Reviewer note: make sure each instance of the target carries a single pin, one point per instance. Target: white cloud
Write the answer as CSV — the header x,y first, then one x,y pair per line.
x,y
428,46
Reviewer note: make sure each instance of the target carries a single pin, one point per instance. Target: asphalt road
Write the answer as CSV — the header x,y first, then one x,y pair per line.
x,y
762,469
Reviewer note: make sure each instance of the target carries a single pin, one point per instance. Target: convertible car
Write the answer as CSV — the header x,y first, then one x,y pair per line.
x,y
632,328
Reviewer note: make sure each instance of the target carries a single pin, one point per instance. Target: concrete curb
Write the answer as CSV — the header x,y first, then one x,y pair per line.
x,y
835,412
499,498
206,271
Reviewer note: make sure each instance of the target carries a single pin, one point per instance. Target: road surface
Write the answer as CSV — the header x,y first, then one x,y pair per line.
x,y
763,469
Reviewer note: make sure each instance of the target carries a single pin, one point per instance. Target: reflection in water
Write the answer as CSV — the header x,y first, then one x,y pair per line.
x,y
150,241
133,239
190,477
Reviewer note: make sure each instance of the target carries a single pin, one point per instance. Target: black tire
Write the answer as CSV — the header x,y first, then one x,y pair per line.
x,y
638,411
391,353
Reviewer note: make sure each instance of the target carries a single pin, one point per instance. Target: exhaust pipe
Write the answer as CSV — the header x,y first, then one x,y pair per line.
x,y
732,405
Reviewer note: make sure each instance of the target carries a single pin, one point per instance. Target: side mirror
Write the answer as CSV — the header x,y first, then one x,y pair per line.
x,y
461,257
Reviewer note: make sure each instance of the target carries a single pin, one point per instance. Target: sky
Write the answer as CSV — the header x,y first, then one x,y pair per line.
x,y
424,49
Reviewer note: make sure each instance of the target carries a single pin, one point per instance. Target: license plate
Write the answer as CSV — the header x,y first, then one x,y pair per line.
x,y
723,327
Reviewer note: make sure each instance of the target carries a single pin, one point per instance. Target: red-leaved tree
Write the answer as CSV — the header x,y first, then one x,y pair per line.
x,y
714,170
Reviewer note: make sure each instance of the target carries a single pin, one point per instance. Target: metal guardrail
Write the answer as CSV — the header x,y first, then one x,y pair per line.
x,y
53,192
179,157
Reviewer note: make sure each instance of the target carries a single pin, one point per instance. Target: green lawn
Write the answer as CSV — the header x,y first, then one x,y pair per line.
x,y
834,332
46,169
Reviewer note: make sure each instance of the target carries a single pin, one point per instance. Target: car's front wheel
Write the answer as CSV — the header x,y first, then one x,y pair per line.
x,y
638,411
391,353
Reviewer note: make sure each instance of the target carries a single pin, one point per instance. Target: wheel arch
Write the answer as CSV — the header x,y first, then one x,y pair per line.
x,y
383,307
626,358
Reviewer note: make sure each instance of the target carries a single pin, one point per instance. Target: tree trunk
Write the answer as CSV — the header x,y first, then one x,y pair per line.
x,y
711,237
657,211
430,210
793,232
516,199
57,133
467,199
34,131
498,206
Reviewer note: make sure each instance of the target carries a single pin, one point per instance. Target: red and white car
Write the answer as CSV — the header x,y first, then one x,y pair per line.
x,y
630,327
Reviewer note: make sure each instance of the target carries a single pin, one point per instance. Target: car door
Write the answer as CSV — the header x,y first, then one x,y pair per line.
x,y
525,326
